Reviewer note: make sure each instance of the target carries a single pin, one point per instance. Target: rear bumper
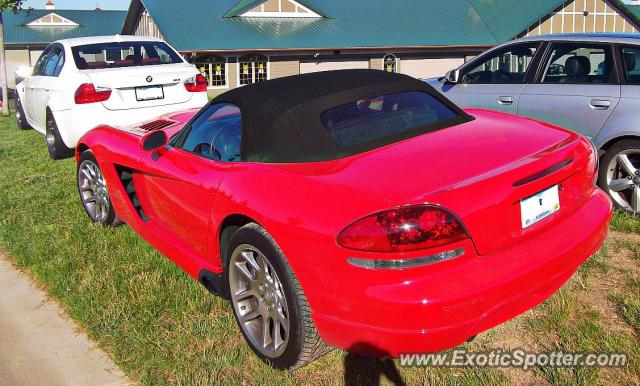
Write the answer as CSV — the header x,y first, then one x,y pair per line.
x,y
443,309
75,122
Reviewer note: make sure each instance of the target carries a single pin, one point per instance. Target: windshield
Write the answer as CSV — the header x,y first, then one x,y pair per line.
x,y
385,117
124,54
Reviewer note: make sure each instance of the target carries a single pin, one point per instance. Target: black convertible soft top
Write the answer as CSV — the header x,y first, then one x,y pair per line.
x,y
281,117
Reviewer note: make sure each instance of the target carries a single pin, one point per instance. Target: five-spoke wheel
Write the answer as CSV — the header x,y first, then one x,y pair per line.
x,y
620,174
259,301
93,191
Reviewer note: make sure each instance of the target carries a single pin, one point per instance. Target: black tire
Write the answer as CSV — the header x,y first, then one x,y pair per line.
x,y
21,119
617,148
56,147
110,218
305,344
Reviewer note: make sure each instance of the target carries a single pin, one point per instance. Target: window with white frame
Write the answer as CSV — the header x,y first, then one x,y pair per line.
x,y
390,63
52,19
252,69
214,68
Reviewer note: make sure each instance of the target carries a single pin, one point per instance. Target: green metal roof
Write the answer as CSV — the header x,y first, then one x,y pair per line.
x,y
633,9
347,23
90,23
507,18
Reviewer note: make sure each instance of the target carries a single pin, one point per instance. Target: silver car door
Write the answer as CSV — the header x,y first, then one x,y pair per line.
x,y
495,80
577,89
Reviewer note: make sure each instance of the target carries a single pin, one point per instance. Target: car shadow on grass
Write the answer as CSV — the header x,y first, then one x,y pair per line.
x,y
370,369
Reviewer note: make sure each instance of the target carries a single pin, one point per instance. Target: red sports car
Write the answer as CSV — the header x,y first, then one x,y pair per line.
x,y
353,209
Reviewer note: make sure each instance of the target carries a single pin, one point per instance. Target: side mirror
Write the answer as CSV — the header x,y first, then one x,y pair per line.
x,y
154,140
452,76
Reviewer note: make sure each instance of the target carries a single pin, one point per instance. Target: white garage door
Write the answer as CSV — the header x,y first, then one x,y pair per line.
x,y
428,68
307,67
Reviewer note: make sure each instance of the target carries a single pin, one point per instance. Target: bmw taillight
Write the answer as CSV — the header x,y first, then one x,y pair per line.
x,y
87,93
403,229
196,84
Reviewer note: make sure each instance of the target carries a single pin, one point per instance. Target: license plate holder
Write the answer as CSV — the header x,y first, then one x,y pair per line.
x,y
539,206
149,93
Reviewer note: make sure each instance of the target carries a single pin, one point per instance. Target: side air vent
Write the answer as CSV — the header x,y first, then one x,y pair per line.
x,y
156,125
126,177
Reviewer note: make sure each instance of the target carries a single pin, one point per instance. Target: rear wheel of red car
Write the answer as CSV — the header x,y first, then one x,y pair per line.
x,y
619,174
268,303
93,191
56,147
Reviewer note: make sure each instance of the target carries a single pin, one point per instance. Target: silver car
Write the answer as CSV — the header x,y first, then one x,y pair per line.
x,y
589,83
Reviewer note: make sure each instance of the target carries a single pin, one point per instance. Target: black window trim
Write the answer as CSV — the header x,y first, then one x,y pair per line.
x,y
473,63
44,57
178,140
614,78
62,56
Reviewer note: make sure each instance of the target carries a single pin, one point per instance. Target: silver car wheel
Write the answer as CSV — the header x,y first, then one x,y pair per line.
x,y
258,300
623,179
93,191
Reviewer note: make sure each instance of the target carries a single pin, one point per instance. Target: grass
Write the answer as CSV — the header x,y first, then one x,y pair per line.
x,y
161,327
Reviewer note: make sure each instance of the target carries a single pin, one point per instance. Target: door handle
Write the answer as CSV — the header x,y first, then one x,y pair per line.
x,y
600,104
506,100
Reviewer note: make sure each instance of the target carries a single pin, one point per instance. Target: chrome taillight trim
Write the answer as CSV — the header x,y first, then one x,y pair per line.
x,y
406,263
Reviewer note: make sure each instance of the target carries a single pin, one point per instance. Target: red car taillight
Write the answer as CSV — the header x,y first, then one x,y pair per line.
x,y
87,93
196,84
403,229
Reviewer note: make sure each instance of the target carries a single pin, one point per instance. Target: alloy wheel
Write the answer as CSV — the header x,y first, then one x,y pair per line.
x,y
259,302
93,191
623,179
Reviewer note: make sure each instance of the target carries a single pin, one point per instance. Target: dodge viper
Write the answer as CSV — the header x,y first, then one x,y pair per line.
x,y
354,209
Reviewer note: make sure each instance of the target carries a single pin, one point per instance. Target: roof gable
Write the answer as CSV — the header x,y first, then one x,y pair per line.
x,y
508,18
17,28
272,8
52,19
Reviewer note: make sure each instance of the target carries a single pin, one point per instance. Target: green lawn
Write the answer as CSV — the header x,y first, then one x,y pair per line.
x,y
161,327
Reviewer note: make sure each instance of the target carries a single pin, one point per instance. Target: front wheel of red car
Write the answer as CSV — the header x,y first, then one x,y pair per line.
x,y
94,195
268,303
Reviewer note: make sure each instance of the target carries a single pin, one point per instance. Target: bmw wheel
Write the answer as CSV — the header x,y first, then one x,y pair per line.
x,y
620,174
21,120
94,193
56,147
268,303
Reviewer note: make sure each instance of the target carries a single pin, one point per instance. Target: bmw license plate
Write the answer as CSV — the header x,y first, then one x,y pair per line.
x,y
539,206
149,93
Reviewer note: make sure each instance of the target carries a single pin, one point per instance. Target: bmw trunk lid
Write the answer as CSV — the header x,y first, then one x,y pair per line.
x,y
144,86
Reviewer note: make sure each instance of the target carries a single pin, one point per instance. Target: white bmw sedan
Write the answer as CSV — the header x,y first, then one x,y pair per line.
x,y
78,84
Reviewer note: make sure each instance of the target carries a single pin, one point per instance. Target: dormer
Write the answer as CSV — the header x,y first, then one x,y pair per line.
x,y
52,20
273,9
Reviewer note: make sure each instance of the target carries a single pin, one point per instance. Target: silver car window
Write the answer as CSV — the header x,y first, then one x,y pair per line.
x,y
505,66
579,64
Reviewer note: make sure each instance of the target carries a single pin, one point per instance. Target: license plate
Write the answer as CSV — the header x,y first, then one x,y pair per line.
x,y
536,208
149,93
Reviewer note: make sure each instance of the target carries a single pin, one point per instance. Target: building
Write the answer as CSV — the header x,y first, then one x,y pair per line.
x,y
237,42
28,32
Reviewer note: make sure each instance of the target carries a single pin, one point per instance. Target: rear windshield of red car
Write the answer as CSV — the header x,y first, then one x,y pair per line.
x,y
123,54
384,117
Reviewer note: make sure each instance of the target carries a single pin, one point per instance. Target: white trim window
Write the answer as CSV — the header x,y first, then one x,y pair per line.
x,y
252,69
390,63
214,68
281,8
52,20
